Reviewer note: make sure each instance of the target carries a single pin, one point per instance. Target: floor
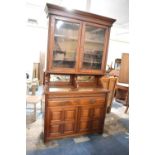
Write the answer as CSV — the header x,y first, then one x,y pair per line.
x,y
114,140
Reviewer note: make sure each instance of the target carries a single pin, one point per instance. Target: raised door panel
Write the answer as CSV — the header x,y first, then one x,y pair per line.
x,y
55,115
55,130
70,114
70,119
98,112
69,128
85,116
85,113
84,126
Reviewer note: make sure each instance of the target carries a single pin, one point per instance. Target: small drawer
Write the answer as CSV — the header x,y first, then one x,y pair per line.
x,y
60,102
96,101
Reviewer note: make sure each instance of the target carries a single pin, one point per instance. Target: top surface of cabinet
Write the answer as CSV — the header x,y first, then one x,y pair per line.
x,y
77,41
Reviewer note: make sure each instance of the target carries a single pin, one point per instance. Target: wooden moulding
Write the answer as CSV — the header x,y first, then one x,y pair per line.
x,y
80,15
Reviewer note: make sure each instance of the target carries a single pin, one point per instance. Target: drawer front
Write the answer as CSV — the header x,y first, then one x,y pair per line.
x,y
77,101
62,102
92,101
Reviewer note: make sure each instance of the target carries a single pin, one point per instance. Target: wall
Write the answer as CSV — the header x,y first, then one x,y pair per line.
x,y
116,48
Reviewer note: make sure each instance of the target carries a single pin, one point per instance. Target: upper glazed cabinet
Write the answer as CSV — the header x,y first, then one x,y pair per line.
x,y
78,41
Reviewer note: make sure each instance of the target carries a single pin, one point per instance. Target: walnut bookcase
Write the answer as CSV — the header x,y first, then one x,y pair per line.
x,y
75,102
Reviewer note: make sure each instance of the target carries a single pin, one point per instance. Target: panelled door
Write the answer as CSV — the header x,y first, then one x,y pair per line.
x,y
90,118
61,120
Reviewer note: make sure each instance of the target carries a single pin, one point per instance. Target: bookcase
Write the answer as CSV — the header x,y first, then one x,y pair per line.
x,y
75,101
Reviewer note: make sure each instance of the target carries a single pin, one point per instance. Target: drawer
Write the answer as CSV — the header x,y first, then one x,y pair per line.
x,y
96,101
76,101
62,102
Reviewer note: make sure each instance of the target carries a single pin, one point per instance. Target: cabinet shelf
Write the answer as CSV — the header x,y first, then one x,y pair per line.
x,y
91,62
65,37
73,38
92,41
66,60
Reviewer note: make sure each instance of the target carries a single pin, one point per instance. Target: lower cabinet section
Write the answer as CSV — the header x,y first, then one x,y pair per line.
x,y
61,121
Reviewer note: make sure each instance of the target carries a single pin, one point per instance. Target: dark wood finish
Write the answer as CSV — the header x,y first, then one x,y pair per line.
x,y
75,107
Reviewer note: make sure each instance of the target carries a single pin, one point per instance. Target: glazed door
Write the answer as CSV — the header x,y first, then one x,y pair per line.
x,y
64,47
93,49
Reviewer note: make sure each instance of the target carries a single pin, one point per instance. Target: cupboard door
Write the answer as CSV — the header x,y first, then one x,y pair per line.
x,y
66,44
70,119
98,112
85,116
55,115
98,117
93,48
54,119
61,120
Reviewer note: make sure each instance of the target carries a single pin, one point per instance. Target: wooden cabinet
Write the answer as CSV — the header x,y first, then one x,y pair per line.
x,y
75,102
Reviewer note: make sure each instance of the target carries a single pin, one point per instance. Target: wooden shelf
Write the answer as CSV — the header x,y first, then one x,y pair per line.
x,y
65,37
94,42
92,62
72,38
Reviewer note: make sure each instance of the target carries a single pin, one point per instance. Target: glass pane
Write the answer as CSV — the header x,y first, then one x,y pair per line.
x,y
85,78
65,44
59,78
93,47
